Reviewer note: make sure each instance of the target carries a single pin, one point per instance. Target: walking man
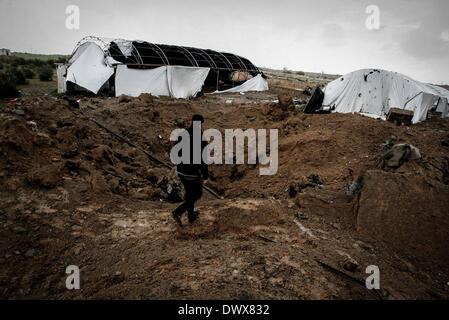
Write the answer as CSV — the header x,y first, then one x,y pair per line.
x,y
192,175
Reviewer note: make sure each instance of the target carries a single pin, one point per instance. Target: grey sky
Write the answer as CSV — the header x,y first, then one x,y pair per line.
x,y
325,35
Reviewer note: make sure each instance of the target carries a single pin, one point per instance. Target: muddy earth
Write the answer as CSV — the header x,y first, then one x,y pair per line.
x,y
74,194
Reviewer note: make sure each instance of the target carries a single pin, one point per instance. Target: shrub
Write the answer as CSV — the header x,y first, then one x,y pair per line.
x,y
19,62
20,77
36,62
28,73
8,84
46,73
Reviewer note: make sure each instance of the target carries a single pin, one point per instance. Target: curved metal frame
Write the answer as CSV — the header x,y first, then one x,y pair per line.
x,y
207,55
162,51
187,52
194,62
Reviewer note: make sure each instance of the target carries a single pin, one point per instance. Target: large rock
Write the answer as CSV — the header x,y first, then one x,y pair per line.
x,y
408,212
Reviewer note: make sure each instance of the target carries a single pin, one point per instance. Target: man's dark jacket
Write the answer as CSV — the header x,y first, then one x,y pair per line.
x,y
192,170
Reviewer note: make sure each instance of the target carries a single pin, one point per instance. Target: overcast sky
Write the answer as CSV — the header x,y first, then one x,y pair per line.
x,y
324,35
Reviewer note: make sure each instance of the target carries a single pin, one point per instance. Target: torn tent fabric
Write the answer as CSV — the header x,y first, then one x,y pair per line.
x,y
258,83
373,92
174,81
184,82
88,68
133,82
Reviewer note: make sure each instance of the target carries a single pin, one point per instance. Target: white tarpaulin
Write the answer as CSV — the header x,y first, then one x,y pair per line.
x,y
258,83
89,69
373,92
133,82
184,82
174,81
60,72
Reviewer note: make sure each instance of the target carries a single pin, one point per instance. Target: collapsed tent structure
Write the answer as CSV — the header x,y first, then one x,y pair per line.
x,y
134,67
373,92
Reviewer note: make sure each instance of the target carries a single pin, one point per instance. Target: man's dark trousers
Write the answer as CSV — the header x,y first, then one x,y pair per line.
x,y
193,190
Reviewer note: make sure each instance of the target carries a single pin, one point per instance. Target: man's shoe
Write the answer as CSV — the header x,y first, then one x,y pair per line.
x,y
177,218
196,213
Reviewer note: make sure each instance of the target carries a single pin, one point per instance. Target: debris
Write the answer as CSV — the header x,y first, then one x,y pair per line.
x,y
15,100
307,91
315,179
304,229
350,264
399,116
315,102
32,125
302,216
170,190
292,190
365,246
342,273
353,187
396,156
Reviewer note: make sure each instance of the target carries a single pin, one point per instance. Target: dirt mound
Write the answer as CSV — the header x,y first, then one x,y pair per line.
x,y
407,211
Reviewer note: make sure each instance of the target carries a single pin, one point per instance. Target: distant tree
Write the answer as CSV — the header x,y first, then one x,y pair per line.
x,y
45,73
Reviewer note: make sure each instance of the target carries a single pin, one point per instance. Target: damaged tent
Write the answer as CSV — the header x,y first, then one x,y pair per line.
x,y
120,66
373,92
258,83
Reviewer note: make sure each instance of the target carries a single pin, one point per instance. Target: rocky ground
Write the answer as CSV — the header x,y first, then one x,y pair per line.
x,y
73,194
